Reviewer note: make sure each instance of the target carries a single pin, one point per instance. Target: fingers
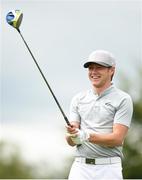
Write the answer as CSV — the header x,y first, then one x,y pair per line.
x,y
72,129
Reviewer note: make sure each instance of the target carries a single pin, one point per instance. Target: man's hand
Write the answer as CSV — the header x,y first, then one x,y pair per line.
x,y
78,136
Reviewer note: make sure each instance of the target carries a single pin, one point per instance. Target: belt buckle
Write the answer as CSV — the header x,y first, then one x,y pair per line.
x,y
89,161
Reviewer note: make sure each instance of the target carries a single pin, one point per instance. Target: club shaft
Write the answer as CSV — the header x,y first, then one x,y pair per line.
x,y
57,102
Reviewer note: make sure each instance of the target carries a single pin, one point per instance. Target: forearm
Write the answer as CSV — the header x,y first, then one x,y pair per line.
x,y
115,138
109,140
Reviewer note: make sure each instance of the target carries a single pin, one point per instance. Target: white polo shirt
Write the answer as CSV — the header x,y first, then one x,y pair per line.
x,y
98,114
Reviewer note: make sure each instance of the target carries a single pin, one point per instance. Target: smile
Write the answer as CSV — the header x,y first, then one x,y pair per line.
x,y
95,77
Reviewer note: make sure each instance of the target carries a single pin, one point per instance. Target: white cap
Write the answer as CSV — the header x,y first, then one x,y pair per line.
x,y
101,57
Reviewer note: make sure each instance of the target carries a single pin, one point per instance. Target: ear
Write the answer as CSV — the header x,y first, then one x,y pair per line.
x,y
112,70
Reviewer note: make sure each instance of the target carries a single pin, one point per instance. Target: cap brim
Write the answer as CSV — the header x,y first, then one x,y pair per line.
x,y
86,65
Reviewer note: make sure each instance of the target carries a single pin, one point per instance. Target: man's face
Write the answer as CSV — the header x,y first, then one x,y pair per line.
x,y
100,76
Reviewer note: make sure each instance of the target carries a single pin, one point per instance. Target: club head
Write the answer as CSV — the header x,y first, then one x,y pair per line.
x,y
14,18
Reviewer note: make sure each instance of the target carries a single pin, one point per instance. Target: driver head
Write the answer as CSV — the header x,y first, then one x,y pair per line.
x,y
14,18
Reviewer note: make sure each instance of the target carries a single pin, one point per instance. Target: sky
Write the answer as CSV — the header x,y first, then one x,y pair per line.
x,y
61,35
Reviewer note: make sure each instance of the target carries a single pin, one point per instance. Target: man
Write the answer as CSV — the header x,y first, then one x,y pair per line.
x,y
100,119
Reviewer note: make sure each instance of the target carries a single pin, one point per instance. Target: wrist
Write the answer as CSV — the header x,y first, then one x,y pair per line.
x,y
91,137
87,134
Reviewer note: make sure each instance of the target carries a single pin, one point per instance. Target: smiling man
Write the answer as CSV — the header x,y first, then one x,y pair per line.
x,y
100,119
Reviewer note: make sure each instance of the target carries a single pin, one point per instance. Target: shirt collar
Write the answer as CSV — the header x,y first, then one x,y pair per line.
x,y
105,92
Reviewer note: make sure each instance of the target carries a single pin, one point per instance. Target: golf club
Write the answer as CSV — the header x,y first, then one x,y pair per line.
x,y
14,18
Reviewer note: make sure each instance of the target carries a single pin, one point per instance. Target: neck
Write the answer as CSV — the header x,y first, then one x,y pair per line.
x,y
99,90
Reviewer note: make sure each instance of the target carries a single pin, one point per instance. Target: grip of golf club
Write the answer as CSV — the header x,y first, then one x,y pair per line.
x,y
67,121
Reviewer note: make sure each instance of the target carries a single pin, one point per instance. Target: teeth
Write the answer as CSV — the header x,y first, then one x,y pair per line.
x,y
95,77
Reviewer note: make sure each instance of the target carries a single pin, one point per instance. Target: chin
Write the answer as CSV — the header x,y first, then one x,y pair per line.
x,y
97,85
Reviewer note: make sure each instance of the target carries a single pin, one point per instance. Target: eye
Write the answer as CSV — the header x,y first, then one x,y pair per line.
x,y
99,67
90,67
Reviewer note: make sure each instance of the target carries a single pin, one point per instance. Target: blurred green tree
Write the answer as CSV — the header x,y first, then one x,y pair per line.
x,y
132,165
11,164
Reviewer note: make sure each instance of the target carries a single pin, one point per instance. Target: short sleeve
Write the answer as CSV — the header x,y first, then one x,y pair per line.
x,y
124,112
73,114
